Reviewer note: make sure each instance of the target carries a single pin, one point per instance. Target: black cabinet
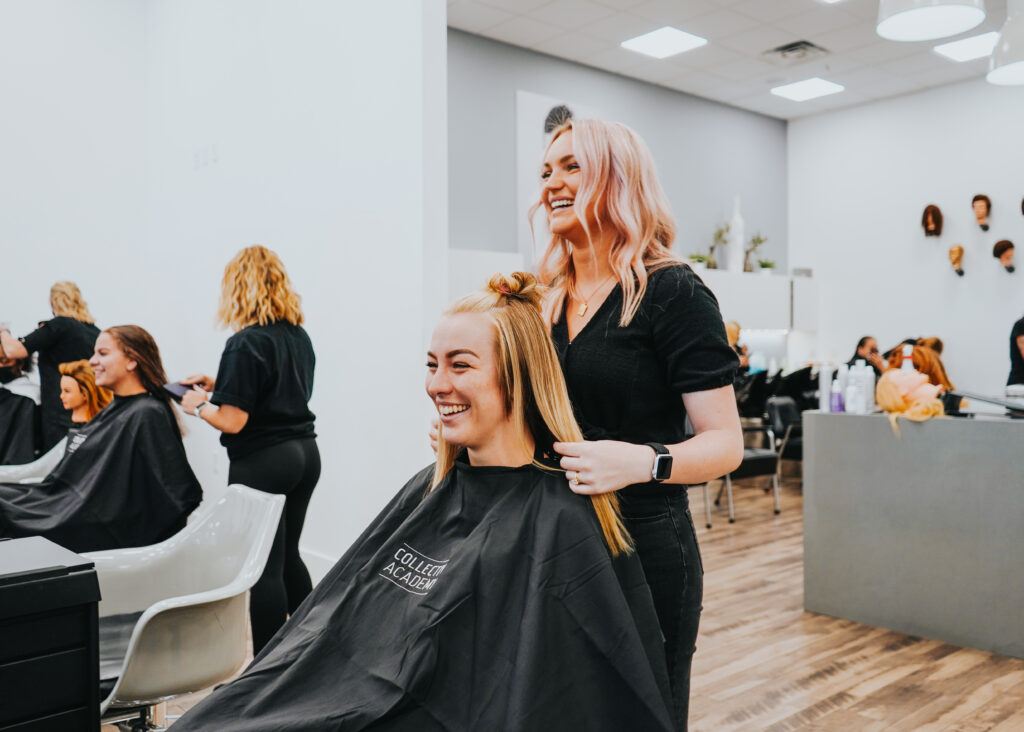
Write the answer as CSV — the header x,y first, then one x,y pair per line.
x,y
49,660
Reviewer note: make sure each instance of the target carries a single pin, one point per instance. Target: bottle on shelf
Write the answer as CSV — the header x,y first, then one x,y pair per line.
x,y
836,397
908,357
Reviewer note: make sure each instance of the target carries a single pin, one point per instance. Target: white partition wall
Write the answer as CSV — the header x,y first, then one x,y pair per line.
x,y
145,143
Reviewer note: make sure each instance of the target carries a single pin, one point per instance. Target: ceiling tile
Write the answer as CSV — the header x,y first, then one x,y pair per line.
x,y
614,59
619,27
573,46
523,31
620,4
768,12
757,40
571,14
708,56
946,76
515,6
748,70
890,88
813,21
673,12
927,61
847,39
881,51
474,17
720,23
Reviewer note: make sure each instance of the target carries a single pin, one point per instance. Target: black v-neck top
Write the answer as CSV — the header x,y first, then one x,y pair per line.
x,y
626,382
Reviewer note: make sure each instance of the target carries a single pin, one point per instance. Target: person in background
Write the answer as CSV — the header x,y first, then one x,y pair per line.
x,y
68,336
1016,353
867,349
642,344
732,333
19,412
79,393
124,480
260,404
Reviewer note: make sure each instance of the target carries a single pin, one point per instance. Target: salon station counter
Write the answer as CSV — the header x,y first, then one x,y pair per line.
x,y
923,534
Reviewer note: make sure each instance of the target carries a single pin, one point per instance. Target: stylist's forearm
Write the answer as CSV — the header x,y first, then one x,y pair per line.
x,y
12,347
226,418
707,456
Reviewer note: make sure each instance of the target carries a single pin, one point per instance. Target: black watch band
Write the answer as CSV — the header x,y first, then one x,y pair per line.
x,y
662,468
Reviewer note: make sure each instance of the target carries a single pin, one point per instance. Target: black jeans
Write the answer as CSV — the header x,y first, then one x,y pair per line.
x,y
291,469
666,543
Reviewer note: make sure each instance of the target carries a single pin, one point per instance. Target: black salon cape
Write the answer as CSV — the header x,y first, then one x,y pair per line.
x,y
124,481
490,604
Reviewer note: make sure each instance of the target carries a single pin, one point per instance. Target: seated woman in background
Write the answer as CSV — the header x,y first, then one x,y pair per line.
x,y
68,336
927,361
19,412
124,480
486,595
79,393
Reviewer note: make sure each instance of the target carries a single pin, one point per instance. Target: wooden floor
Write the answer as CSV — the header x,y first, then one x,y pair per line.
x,y
763,664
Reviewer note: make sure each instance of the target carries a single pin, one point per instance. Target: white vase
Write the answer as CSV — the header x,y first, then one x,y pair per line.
x,y
699,266
734,249
767,270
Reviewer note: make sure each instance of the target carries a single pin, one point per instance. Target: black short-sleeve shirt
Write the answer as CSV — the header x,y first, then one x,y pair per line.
x,y
58,341
267,371
626,382
1016,359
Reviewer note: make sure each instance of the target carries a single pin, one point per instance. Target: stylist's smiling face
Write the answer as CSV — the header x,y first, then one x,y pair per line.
x,y
462,380
560,179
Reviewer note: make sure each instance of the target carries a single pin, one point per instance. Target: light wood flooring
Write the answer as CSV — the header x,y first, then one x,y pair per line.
x,y
763,664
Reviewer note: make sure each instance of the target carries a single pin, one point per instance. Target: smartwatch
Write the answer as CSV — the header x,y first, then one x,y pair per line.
x,y
662,468
199,407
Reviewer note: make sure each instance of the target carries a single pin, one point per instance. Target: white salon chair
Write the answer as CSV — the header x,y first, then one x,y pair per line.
x,y
173,618
36,470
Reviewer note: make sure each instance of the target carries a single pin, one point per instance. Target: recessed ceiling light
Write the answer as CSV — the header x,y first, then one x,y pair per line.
x,y
968,49
801,91
664,42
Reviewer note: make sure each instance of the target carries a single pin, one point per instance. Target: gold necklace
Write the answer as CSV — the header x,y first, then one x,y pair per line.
x,y
586,301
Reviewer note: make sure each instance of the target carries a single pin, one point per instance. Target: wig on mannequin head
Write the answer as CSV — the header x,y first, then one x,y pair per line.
x,y
96,397
531,383
933,216
619,188
66,301
907,394
932,342
256,291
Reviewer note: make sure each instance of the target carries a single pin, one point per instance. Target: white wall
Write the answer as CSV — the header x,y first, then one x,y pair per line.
x,y
859,180
177,132
706,152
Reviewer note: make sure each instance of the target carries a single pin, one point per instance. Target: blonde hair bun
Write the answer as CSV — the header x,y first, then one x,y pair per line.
x,y
519,285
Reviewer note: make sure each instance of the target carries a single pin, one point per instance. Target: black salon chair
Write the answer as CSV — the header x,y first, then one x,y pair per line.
x,y
786,422
756,461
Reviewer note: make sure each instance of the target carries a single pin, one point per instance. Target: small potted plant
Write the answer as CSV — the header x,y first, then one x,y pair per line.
x,y
720,238
698,262
755,242
766,265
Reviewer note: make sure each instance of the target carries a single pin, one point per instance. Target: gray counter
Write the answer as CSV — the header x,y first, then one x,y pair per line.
x,y
923,534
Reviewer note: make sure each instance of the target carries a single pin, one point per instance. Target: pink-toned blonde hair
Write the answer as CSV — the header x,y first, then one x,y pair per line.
x,y
619,188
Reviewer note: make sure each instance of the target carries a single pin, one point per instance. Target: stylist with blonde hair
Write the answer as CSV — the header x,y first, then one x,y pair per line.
x,y
642,345
260,404
68,336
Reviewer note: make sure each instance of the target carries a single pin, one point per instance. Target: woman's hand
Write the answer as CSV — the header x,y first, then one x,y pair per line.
x,y
605,465
206,383
193,399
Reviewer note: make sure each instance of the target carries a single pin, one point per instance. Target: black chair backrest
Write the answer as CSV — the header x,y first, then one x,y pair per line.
x,y
782,412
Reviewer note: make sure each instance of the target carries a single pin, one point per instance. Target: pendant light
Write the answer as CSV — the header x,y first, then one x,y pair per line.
x,y
926,20
1006,66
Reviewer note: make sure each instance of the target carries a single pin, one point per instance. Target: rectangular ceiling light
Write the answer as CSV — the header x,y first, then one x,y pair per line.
x,y
801,91
968,49
664,42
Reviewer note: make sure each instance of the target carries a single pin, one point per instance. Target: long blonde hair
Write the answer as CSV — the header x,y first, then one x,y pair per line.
x,y
66,301
96,397
618,180
256,291
531,383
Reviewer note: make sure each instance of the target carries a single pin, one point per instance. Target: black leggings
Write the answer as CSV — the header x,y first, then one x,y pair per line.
x,y
291,469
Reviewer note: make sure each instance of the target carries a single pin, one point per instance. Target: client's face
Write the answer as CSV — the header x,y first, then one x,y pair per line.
x,y
110,364
462,381
70,393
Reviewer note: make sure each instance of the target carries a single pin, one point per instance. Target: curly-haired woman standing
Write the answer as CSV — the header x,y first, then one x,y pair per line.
x,y
260,404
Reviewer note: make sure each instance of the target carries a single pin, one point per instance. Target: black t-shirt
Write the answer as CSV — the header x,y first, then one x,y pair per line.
x,y
1016,359
58,341
267,371
626,382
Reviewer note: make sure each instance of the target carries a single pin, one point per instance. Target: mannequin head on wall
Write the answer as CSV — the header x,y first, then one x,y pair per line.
x,y
956,258
931,220
1003,251
982,206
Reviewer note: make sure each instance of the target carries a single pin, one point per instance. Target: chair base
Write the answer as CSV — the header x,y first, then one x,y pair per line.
x,y
727,487
138,719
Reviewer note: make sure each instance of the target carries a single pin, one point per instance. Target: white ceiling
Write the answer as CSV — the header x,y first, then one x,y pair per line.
x,y
730,68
